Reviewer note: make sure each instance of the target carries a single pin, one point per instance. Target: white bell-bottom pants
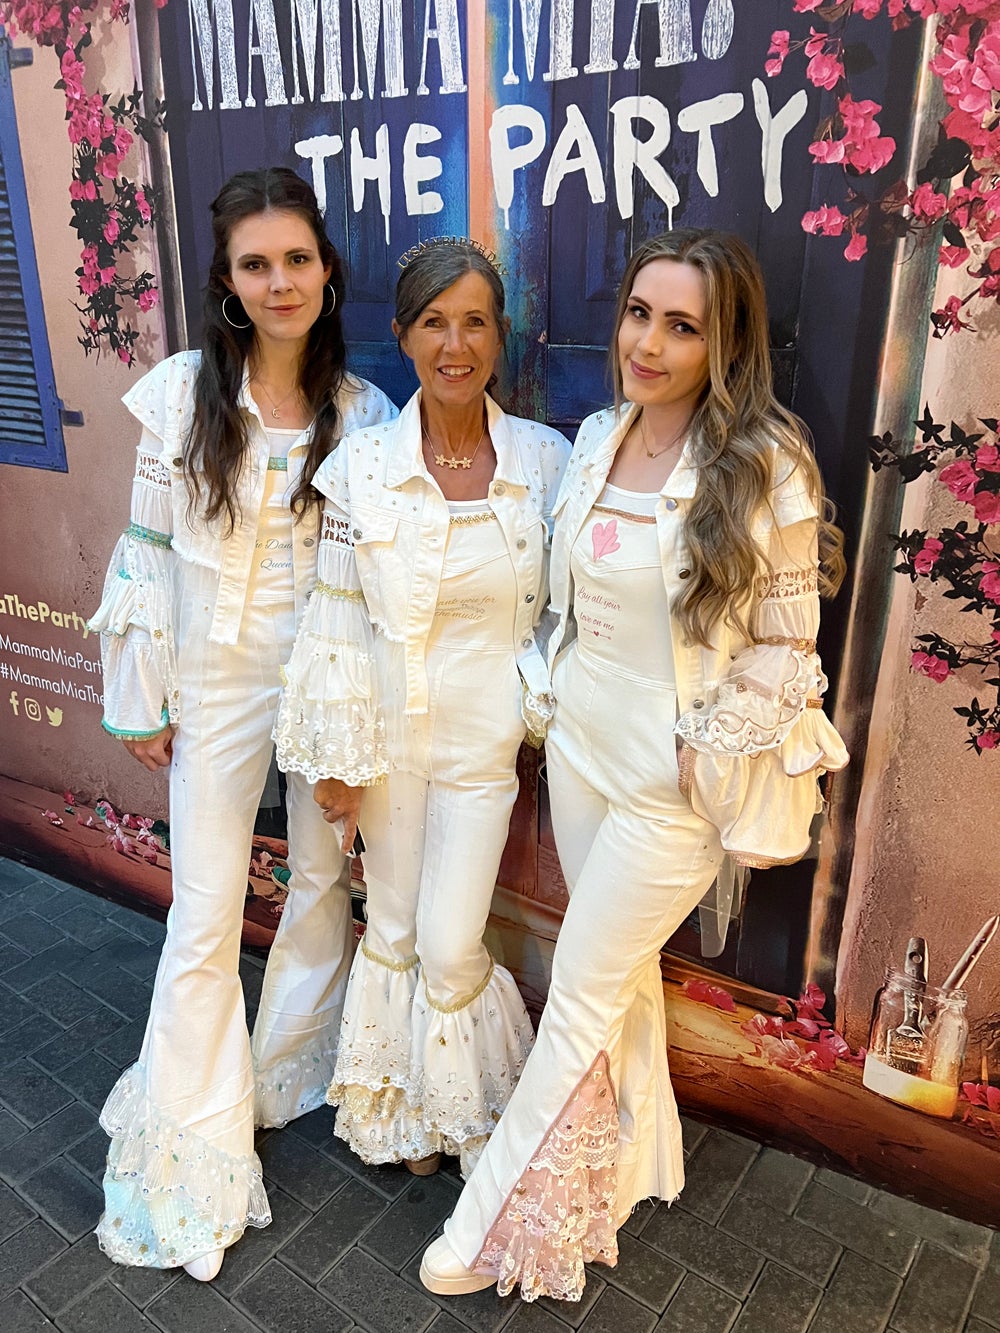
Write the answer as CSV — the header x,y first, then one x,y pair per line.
x,y
592,1126
183,1178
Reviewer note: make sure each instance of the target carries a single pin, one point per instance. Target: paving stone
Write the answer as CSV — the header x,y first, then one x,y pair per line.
x,y
639,1216
375,1297
29,932
89,926
195,1307
692,1133
698,1307
28,1038
316,1127
695,1245
300,1170
61,1000
118,990
32,1150
90,1078
574,1313
53,962
100,1023
14,1213
857,1228
136,957
411,1222
967,1239
314,1249
614,1312
19,1315
14,1010
935,1293
27,1251
14,875
123,1047
777,1179
787,1239
528,1319
68,1276
444,1323
9,956
858,1299
779,1303
90,1155
259,1244
712,1174
148,929
65,1197
10,1129
41,895
986,1301
105,1310
644,1273
279,1302
142,1285
388,1180
30,1093
974,1325
845,1185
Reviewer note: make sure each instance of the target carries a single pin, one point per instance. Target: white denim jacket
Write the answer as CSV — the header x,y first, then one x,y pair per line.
x,y
136,617
385,528
749,708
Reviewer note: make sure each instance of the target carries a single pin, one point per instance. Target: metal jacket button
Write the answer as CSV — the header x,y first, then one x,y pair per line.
x,y
671,504
698,703
530,597
309,541
178,462
356,534
521,544
684,574
499,489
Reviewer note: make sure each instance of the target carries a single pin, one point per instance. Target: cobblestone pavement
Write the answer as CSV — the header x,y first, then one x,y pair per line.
x,y
761,1242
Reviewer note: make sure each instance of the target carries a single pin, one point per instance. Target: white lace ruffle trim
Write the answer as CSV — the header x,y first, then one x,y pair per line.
x,y
296,1085
562,1213
412,1078
170,1195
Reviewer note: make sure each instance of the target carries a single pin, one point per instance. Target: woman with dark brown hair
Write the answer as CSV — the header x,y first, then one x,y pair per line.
x,y
200,607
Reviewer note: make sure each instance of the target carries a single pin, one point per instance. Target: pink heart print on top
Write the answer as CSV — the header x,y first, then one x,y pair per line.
x,y
605,538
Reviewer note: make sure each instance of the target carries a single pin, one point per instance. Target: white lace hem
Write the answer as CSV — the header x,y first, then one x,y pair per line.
x,y
296,1085
170,1195
758,703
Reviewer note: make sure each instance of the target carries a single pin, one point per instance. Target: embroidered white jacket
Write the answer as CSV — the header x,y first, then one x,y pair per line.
x,y
385,528
136,616
749,714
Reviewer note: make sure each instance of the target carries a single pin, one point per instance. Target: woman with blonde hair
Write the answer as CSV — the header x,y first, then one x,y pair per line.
x,y
689,552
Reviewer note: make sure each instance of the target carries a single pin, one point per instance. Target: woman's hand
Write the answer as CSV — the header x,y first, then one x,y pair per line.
x,y
338,801
154,753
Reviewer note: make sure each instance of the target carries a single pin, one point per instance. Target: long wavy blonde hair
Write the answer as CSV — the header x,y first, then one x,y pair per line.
x,y
734,432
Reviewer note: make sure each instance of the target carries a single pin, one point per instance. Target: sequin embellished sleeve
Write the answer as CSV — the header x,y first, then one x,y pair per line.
x,y
329,724
135,618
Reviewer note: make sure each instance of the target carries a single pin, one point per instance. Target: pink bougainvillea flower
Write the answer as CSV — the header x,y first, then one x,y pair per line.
x,y
988,458
857,246
928,555
111,228
929,664
704,993
807,6
982,1094
53,818
762,1025
142,204
989,740
871,155
777,52
827,220
125,355
927,204
822,1057
989,584
960,478
986,507
868,9
953,256
148,299
810,1004
85,823
827,151
949,320
995,636
824,71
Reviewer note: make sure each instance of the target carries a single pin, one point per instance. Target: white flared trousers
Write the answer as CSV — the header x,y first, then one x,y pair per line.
x,y
637,860
195,1079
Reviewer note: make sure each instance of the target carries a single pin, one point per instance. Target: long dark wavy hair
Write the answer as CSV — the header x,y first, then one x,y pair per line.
x,y
735,430
215,451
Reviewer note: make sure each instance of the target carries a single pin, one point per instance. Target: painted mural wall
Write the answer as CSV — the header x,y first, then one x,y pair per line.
x,y
854,146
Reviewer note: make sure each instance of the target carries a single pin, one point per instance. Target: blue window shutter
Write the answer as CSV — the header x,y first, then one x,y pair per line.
x,y
30,426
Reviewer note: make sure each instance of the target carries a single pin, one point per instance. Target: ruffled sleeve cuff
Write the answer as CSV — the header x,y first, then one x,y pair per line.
x,y
328,724
758,703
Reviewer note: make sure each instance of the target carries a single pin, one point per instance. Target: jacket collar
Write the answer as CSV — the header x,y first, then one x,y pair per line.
x,y
406,460
682,482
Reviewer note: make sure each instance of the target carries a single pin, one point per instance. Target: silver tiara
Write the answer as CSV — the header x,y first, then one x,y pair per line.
x,y
435,242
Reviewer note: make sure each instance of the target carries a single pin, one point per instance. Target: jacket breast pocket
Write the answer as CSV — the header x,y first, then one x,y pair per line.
x,y
375,534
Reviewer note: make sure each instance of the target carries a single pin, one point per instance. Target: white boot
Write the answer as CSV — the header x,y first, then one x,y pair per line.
x,y
442,1272
206,1266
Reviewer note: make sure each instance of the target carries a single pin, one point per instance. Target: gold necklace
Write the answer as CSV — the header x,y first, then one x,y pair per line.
x,y
456,460
666,449
275,407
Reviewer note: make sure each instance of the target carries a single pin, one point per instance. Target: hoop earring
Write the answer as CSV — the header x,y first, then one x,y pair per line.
x,y
325,314
232,322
